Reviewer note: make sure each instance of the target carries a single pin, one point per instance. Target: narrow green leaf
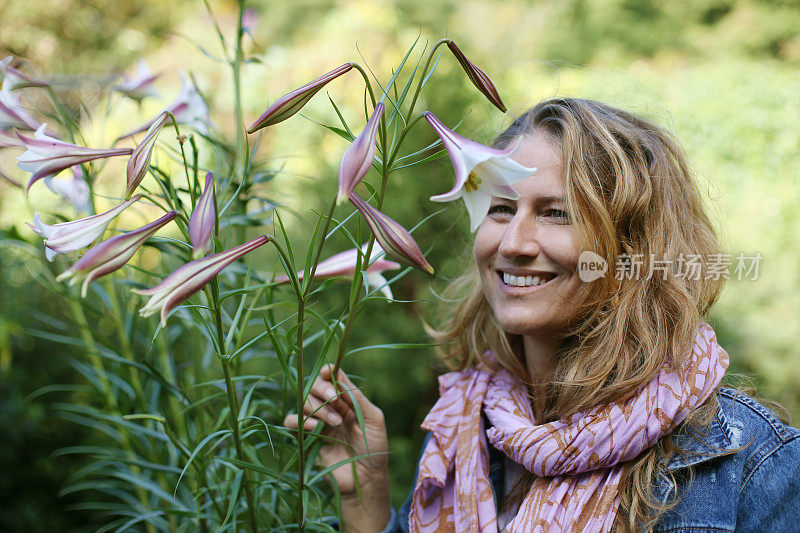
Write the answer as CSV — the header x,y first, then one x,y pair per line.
x,y
234,497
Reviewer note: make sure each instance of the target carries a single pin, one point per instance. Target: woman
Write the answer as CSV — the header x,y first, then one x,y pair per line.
x,y
580,404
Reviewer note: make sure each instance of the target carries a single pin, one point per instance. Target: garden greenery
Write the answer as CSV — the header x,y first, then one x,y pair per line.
x,y
186,443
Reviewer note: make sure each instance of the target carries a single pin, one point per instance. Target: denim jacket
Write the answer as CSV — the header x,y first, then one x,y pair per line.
x,y
746,474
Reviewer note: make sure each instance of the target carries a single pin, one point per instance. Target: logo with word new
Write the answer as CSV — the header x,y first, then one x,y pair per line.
x,y
591,266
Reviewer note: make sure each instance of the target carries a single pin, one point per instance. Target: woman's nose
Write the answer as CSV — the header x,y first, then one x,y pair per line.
x,y
521,238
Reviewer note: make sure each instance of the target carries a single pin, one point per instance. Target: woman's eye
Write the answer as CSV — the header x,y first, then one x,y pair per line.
x,y
500,209
558,213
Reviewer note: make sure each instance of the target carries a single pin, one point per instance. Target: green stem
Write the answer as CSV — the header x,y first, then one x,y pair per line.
x,y
301,469
124,341
438,43
374,103
322,241
401,138
91,351
237,93
233,404
366,82
355,288
202,478
219,30
111,400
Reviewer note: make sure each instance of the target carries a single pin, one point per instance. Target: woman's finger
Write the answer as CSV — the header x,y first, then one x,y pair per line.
x,y
291,422
319,409
350,393
323,389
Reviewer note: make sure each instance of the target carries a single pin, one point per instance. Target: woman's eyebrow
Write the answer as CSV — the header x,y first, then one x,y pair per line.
x,y
550,199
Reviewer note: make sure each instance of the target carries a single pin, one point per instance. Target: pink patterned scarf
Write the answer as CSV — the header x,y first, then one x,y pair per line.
x,y
577,460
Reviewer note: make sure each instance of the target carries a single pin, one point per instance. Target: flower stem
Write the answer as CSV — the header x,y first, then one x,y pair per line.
x,y
366,82
236,65
301,468
322,241
125,342
233,404
436,45
111,400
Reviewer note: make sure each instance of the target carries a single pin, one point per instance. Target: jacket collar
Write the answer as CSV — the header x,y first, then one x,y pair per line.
x,y
702,444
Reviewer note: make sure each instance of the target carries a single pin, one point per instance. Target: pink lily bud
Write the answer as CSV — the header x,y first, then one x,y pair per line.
x,y
289,104
203,220
75,190
358,157
190,278
12,114
392,237
140,85
478,77
111,254
139,162
14,78
188,108
70,236
46,156
344,264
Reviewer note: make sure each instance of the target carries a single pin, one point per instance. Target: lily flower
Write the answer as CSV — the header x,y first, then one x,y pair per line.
x,y
289,104
358,157
344,264
47,156
75,190
478,77
10,141
139,162
203,220
190,278
111,254
481,172
188,108
392,237
14,78
140,85
70,236
12,114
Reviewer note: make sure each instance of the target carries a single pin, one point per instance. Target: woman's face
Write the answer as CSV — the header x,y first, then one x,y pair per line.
x,y
529,238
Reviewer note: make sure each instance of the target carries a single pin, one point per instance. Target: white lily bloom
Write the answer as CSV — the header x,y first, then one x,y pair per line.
x,y
13,78
481,172
140,85
46,156
188,108
76,234
12,114
75,190
344,264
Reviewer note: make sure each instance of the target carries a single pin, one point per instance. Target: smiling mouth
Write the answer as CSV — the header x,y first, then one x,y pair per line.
x,y
525,281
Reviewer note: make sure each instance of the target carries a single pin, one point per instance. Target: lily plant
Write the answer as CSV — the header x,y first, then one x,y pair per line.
x,y
191,405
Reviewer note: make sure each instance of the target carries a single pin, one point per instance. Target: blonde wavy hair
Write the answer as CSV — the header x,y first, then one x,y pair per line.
x,y
629,193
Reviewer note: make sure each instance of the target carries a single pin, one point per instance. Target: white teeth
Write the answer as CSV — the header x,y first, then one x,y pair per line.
x,y
522,281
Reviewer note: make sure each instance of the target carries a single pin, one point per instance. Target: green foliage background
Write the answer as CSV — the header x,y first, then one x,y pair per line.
x,y
722,74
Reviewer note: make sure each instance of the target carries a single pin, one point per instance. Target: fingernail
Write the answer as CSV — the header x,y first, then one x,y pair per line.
x,y
335,419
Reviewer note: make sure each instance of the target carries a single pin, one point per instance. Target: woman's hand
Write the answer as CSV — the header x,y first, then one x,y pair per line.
x,y
345,440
